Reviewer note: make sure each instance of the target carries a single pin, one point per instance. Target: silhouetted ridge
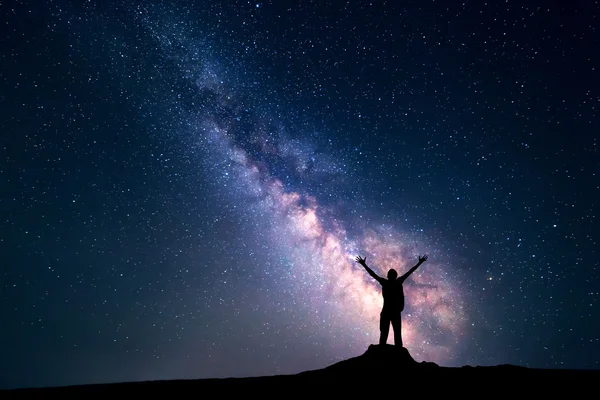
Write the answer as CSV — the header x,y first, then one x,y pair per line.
x,y
392,368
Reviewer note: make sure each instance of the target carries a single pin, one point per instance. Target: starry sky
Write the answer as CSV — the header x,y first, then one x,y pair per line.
x,y
186,184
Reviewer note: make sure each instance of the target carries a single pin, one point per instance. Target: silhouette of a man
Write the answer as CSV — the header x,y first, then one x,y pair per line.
x,y
393,300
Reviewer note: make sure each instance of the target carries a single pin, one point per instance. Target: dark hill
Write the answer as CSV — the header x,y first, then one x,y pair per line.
x,y
381,369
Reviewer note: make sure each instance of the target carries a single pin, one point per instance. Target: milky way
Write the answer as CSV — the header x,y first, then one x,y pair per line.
x,y
341,298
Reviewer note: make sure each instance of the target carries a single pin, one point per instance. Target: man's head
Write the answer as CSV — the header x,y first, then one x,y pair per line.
x,y
392,274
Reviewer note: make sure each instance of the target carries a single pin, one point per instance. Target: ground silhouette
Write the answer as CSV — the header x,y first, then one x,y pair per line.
x,y
382,369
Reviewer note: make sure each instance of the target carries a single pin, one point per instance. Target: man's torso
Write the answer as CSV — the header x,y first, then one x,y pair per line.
x,y
393,296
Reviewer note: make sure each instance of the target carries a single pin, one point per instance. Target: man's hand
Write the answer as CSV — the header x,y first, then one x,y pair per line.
x,y
360,260
422,259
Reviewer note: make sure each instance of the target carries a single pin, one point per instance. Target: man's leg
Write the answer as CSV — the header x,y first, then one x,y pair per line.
x,y
396,321
384,328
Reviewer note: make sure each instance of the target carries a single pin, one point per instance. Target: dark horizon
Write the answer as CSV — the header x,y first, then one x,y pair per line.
x,y
378,362
186,185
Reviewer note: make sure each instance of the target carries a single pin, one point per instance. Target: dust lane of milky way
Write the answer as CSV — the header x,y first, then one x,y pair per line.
x,y
343,299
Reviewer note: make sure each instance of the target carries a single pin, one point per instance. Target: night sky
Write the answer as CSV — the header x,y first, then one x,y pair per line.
x,y
185,185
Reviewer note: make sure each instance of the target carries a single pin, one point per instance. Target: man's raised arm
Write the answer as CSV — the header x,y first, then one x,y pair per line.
x,y
413,269
363,262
